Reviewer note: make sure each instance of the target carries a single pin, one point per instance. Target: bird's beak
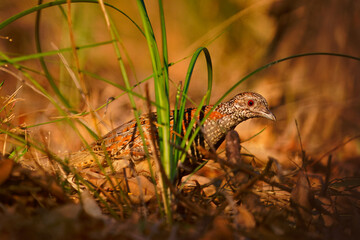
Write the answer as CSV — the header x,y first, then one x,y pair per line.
x,y
269,115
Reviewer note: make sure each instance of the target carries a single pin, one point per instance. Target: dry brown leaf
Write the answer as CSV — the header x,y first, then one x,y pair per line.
x,y
90,206
220,230
140,189
245,218
6,166
195,180
233,147
70,210
300,195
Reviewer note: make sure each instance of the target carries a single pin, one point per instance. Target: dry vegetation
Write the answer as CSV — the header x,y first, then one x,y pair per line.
x,y
297,179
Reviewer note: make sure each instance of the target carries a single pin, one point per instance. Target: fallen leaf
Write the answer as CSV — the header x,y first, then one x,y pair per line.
x,y
6,166
300,195
221,230
90,206
245,218
140,189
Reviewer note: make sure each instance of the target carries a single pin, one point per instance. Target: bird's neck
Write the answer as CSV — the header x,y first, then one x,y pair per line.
x,y
221,120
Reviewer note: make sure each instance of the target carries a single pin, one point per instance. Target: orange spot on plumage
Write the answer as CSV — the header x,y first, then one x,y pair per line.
x,y
216,115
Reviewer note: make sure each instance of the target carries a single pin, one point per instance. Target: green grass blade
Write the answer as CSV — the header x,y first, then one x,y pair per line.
x,y
161,91
162,98
178,118
282,60
57,3
49,53
164,47
43,64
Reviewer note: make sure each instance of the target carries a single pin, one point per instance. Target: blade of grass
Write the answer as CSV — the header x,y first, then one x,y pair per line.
x,y
43,64
179,114
161,90
49,53
279,61
60,2
172,165
161,97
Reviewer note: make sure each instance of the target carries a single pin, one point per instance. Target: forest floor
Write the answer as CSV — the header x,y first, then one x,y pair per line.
x,y
227,199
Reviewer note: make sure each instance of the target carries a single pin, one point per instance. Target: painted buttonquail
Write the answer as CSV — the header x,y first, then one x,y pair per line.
x,y
124,147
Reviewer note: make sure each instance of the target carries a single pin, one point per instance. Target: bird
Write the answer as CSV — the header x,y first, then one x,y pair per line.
x,y
123,146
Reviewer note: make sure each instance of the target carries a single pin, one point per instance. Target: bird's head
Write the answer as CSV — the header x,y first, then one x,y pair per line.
x,y
251,105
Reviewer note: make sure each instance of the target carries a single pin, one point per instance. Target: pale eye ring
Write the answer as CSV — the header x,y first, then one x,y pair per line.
x,y
250,103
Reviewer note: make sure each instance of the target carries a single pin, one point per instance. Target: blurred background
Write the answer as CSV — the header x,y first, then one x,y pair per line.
x,y
321,93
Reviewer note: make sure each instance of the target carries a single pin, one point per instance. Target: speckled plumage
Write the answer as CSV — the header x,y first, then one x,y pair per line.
x,y
124,145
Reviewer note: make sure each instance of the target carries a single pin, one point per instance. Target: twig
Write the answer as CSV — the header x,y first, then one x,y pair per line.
x,y
237,167
303,156
327,176
254,179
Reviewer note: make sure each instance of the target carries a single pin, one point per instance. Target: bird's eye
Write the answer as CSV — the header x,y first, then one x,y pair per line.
x,y
250,103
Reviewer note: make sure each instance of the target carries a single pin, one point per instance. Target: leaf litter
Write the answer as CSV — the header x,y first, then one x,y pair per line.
x,y
228,198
